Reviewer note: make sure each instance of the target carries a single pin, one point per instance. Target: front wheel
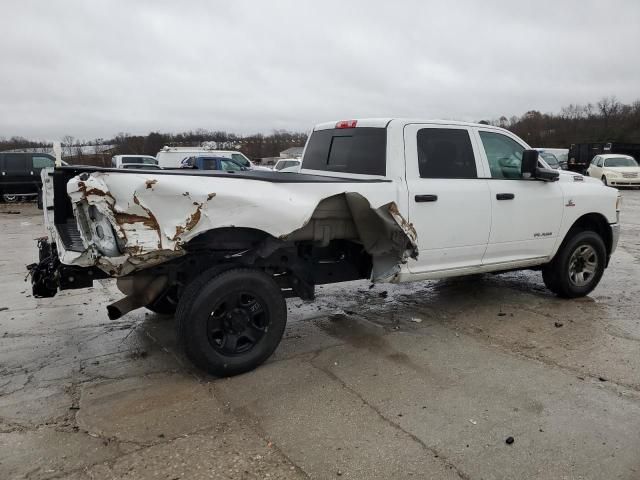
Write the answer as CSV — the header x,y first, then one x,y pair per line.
x,y
604,180
577,267
231,322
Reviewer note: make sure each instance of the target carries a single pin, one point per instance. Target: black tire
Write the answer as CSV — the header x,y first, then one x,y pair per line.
x,y
231,322
578,265
604,180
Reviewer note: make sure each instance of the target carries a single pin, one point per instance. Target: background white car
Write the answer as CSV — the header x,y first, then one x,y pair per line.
x,y
615,170
120,161
291,165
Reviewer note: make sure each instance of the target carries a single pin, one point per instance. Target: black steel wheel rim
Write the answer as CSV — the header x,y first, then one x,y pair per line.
x,y
237,323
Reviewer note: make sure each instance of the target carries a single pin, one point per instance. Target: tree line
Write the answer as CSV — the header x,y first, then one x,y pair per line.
x,y
608,120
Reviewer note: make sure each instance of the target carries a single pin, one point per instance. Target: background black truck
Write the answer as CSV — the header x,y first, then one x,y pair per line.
x,y
20,174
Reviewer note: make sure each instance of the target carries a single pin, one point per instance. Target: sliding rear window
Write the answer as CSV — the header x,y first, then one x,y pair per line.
x,y
349,150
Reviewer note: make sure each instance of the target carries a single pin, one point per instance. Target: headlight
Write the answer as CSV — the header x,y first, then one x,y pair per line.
x,y
610,173
618,202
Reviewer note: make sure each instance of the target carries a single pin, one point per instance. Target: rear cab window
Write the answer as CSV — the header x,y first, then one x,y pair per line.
x,y
360,150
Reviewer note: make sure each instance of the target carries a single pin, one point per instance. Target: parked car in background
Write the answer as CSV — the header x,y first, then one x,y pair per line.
x,y
171,157
561,154
550,160
141,166
615,170
119,161
289,165
212,163
20,177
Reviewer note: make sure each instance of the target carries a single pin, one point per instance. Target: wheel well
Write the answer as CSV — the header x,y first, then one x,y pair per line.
x,y
594,222
297,265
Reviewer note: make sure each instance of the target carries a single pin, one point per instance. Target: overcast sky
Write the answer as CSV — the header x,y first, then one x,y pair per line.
x,y
96,68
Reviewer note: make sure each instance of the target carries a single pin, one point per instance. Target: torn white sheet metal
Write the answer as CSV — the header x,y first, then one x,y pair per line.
x,y
153,216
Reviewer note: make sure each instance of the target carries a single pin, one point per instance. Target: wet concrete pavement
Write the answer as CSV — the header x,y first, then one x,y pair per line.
x,y
424,380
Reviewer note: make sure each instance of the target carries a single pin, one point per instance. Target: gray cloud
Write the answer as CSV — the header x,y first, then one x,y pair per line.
x,y
97,68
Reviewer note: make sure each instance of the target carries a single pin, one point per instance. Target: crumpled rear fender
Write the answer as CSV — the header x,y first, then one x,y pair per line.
x,y
130,222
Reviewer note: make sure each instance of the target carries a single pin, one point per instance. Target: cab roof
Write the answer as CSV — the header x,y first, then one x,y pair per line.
x,y
385,122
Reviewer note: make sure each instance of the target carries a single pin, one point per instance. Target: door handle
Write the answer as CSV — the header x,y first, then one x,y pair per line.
x,y
426,198
505,196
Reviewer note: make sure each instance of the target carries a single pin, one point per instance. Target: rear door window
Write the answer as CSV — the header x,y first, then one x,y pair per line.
x,y
445,153
353,150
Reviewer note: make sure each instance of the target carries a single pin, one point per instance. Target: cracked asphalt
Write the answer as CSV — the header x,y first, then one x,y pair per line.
x,y
423,380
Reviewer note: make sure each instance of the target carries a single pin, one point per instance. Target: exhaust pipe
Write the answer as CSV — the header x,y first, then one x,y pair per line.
x,y
141,290
124,306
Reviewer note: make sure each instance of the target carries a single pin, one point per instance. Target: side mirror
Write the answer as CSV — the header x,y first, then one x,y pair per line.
x,y
529,168
529,164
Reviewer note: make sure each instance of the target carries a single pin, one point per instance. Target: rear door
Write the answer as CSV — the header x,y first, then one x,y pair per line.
x,y
525,213
449,204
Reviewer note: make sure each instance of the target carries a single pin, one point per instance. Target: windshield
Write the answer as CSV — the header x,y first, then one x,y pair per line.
x,y
550,158
620,162
147,160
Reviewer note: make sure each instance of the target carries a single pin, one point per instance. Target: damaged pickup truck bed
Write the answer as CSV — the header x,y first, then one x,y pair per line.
x,y
389,200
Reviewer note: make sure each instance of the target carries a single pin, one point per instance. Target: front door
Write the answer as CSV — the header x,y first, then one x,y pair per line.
x,y
449,204
525,213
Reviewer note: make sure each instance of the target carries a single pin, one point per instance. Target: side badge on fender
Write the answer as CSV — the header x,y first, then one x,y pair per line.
x,y
570,203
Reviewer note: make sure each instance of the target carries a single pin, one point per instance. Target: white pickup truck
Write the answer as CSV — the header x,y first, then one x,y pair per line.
x,y
391,200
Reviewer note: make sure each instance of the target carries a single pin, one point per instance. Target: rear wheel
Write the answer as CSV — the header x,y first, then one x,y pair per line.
x,y
231,322
577,267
